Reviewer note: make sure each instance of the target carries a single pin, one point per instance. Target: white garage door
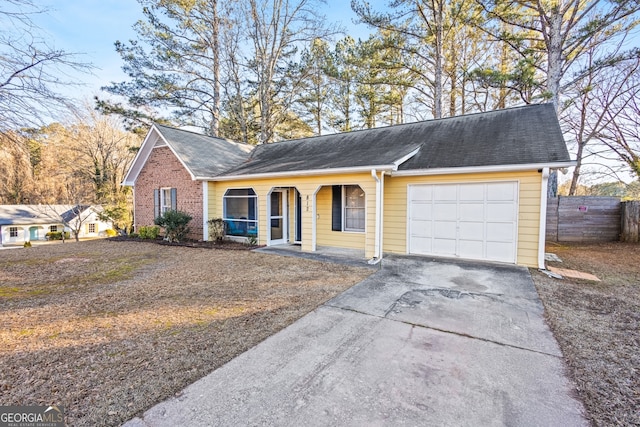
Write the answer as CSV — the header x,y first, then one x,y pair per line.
x,y
474,221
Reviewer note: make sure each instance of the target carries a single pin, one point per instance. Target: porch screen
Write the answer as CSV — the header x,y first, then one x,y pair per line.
x,y
240,212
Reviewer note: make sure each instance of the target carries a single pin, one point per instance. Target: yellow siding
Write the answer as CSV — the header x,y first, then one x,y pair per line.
x,y
395,209
307,186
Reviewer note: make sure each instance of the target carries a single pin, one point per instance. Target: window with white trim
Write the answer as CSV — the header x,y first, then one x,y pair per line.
x,y
53,228
353,208
165,200
348,208
240,212
13,231
91,227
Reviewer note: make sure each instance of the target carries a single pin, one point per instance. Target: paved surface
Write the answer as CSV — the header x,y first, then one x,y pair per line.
x,y
419,343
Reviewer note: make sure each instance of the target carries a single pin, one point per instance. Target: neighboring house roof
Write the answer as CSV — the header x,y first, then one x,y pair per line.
x,y
39,214
515,136
201,155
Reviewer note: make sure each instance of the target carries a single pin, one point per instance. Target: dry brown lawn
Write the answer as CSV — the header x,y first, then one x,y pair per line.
x,y
598,327
108,328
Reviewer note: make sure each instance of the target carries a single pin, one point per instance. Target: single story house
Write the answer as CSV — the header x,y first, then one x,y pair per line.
x,y
24,223
472,186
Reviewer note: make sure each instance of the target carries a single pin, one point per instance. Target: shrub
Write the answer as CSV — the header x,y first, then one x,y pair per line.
x,y
27,244
57,235
216,229
174,224
134,235
111,232
149,232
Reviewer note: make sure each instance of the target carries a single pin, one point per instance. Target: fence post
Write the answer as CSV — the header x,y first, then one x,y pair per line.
x,y
630,218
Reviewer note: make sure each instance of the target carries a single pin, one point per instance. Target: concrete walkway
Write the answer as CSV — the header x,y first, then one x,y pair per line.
x,y
419,343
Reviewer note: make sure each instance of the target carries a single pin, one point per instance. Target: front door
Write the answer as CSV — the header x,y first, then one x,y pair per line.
x,y
278,217
33,233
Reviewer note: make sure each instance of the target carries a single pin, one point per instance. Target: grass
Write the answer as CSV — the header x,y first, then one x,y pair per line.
x,y
597,325
107,329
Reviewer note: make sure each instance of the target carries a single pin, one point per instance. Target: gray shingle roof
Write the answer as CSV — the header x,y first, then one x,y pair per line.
x,y
522,135
33,214
204,156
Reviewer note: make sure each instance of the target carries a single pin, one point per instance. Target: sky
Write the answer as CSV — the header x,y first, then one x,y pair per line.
x,y
91,27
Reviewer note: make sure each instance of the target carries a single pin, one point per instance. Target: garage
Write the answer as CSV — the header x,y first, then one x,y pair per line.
x,y
472,220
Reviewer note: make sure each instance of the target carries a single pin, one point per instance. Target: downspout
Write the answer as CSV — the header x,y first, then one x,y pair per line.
x,y
543,218
377,248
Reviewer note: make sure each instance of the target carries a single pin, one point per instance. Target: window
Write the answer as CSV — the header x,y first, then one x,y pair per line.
x,y
240,212
164,199
91,228
53,228
348,208
353,208
13,231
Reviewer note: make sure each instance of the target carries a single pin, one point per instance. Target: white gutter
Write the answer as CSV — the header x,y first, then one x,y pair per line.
x,y
311,172
377,248
543,218
478,169
205,211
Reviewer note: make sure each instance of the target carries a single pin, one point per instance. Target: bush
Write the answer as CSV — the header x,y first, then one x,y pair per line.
x,y
174,224
134,235
27,244
216,229
111,232
149,232
57,235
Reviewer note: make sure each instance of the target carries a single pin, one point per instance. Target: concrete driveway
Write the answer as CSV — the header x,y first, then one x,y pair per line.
x,y
419,343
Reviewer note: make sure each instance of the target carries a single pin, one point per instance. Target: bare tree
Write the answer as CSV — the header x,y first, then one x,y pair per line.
x,y
32,71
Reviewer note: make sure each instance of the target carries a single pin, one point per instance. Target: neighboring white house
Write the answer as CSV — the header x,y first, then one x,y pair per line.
x,y
24,223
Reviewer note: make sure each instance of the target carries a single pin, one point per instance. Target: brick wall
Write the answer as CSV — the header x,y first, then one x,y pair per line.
x,y
163,169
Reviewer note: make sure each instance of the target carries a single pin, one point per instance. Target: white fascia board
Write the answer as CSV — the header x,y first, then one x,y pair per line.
x,y
401,160
312,172
480,169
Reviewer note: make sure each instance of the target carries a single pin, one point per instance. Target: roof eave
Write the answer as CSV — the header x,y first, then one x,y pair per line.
x,y
481,169
310,172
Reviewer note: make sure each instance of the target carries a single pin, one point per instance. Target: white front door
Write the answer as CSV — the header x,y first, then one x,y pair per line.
x,y
474,221
277,219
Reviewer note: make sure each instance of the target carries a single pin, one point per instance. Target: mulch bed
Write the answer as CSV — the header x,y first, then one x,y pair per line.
x,y
109,328
597,325
225,244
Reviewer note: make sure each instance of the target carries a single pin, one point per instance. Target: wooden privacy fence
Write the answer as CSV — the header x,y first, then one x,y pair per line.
x,y
583,219
630,218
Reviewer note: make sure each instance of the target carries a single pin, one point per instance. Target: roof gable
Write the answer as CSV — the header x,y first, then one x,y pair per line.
x,y
202,156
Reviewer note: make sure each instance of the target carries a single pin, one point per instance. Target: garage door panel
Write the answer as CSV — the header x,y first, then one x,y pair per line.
x,y
497,191
445,211
444,247
422,192
423,211
472,192
500,232
471,230
501,212
421,228
500,251
444,229
421,245
445,192
471,249
471,211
